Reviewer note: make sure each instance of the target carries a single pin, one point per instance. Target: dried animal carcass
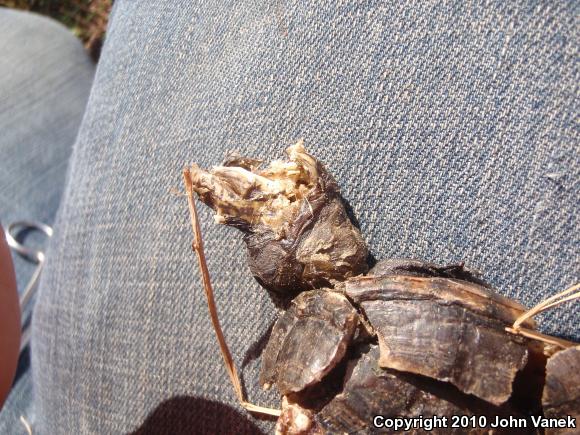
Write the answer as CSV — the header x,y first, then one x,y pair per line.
x,y
410,339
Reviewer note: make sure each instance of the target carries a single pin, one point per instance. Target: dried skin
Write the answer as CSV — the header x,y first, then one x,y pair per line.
x,y
308,341
297,232
448,330
561,396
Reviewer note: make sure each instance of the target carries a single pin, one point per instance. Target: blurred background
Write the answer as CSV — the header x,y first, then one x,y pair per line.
x,y
48,52
87,19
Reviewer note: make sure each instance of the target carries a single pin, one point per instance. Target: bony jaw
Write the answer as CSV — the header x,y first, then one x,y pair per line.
x,y
269,196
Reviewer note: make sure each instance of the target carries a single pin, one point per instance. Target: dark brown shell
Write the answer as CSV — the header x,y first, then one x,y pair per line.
x,y
561,397
425,269
370,390
434,334
442,347
308,340
449,330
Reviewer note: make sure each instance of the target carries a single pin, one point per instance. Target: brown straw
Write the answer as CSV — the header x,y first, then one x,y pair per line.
x,y
228,360
549,303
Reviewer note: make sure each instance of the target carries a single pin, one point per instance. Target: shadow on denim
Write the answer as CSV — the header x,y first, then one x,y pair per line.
x,y
180,416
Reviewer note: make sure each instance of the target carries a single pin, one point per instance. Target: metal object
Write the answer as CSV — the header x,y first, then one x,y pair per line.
x,y
33,255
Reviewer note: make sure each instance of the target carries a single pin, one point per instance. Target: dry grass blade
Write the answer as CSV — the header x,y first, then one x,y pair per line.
x,y
26,425
551,302
228,360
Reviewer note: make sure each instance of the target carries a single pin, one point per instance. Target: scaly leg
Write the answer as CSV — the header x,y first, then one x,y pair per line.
x,y
228,360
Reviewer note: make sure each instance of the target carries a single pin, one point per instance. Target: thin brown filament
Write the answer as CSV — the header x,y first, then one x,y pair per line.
x,y
547,304
228,360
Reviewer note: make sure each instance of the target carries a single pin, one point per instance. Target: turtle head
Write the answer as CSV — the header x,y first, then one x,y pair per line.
x,y
295,226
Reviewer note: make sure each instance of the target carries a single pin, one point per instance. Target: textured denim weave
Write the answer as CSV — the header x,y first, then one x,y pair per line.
x,y
45,78
451,127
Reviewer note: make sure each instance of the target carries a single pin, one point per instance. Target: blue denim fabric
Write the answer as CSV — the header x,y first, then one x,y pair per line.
x,y
45,79
449,125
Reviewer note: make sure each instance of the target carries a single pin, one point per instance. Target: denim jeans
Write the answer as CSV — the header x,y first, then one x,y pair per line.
x,y
450,128
45,79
